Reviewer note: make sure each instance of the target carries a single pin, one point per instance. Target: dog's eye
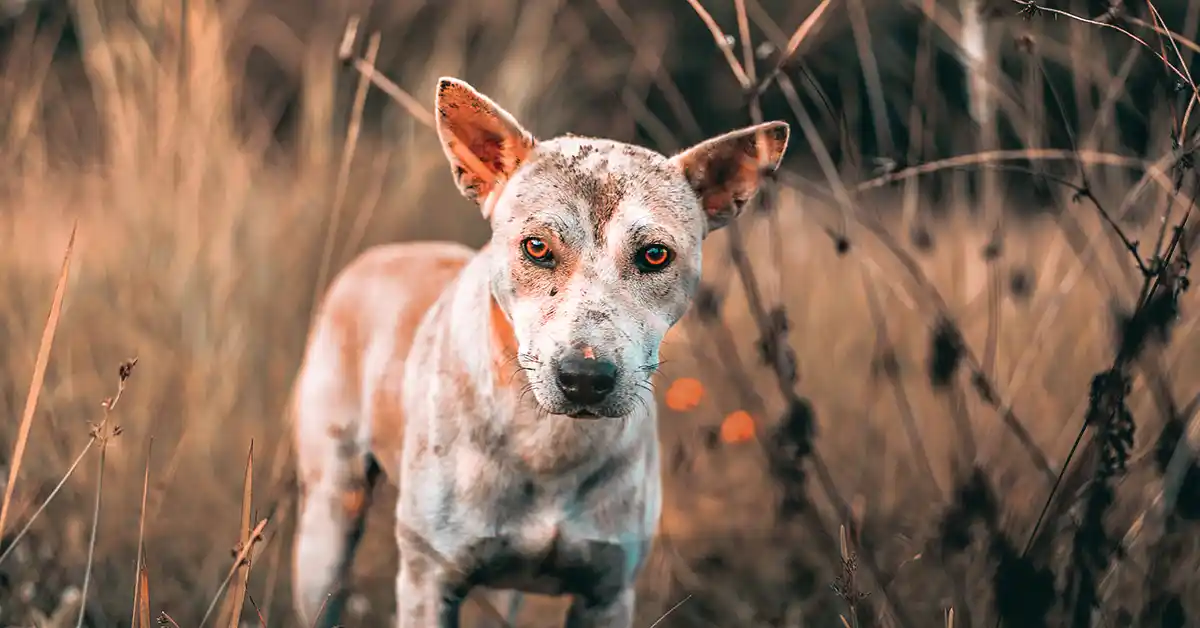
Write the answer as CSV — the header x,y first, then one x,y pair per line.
x,y
537,251
653,258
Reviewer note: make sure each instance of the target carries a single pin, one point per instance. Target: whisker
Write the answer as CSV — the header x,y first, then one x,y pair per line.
x,y
525,390
645,404
512,358
652,368
648,387
518,369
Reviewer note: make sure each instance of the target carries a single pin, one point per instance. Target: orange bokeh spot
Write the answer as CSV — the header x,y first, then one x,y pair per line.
x,y
738,427
685,394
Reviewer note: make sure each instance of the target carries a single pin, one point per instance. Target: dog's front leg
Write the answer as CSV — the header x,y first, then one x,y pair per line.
x,y
422,598
612,612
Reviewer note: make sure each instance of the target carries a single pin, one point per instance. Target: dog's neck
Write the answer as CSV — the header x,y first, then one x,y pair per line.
x,y
482,336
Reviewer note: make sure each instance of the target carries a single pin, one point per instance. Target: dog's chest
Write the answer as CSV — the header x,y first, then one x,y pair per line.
x,y
549,553
584,538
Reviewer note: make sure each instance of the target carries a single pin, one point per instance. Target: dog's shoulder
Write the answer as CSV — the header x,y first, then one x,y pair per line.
x,y
406,259
398,275
386,291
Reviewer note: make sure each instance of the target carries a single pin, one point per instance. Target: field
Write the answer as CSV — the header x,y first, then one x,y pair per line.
x,y
940,373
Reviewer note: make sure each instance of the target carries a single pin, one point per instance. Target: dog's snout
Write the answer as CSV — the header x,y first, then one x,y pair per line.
x,y
586,380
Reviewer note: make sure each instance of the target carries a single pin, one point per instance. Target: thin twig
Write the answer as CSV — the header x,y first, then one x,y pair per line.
x,y
102,432
91,553
343,179
1153,170
46,502
243,553
1034,6
670,610
722,43
806,28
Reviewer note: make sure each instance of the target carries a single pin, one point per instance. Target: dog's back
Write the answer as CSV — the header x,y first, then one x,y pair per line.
x,y
363,330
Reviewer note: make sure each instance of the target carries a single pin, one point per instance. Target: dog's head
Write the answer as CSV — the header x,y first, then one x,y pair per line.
x,y
595,244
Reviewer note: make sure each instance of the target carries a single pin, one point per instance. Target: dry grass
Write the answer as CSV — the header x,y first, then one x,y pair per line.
x,y
201,248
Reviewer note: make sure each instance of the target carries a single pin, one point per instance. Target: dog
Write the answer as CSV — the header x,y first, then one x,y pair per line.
x,y
506,392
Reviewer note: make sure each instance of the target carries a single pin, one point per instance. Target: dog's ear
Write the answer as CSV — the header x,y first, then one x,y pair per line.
x,y
483,142
727,170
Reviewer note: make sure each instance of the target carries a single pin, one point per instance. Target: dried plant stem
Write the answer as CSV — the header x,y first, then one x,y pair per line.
x,y
806,28
282,484
343,178
102,432
662,79
366,67
939,304
1181,463
884,143
1151,522
58,487
722,43
1153,170
141,618
238,599
143,597
274,562
663,617
1141,42
39,376
242,555
91,554
891,372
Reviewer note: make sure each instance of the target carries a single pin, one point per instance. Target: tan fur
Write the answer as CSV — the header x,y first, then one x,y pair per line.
x,y
449,370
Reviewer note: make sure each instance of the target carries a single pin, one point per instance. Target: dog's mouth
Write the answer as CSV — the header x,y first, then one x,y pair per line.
x,y
586,413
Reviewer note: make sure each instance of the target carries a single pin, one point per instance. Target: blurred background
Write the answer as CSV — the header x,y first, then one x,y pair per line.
x,y
881,412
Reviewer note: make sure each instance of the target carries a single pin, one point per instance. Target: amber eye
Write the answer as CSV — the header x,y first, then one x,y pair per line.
x,y
537,251
653,258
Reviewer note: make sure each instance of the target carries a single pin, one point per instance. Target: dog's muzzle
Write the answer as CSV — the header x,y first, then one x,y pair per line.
x,y
586,381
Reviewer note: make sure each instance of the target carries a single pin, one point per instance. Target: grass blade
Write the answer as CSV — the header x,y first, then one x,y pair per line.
x,y
243,556
141,596
39,375
242,575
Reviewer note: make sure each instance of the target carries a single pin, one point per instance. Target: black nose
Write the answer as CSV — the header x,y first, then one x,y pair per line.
x,y
586,381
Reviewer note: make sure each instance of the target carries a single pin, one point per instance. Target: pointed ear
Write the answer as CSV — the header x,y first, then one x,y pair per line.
x,y
484,144
727,170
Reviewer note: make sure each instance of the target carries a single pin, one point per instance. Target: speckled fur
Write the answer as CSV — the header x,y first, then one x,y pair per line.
x,y
435,365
